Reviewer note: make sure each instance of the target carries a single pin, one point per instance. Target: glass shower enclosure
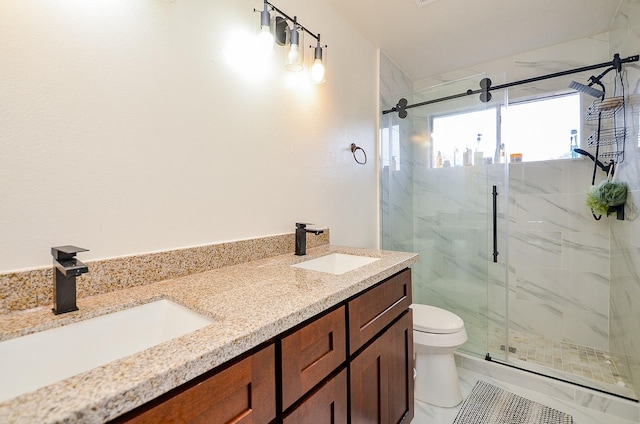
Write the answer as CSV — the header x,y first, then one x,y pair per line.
x,y
509,247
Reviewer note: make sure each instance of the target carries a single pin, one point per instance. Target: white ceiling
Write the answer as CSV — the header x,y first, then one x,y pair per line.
x,y
447,35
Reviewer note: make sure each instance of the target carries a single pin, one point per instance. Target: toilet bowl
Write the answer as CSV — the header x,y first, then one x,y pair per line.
x,y
437,333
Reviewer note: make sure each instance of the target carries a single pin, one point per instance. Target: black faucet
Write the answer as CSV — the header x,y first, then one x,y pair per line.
x,y
66,269
301,237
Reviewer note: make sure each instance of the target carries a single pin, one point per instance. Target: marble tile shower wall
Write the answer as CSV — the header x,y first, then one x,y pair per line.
x,y
560,281
395,178
558,254
625,235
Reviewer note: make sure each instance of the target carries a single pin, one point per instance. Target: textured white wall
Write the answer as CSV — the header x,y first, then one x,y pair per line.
x,y
123,129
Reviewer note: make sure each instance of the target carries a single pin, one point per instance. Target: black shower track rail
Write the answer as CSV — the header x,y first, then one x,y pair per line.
x,y
486,88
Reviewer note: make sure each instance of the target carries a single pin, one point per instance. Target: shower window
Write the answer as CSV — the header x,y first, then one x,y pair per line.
x,y
458,137
544,128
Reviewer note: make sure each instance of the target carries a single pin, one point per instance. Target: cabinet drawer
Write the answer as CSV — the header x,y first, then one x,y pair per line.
x,y
242,393
328,405
311,354
375,309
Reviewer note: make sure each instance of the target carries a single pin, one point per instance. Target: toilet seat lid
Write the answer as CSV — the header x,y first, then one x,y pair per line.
x,y
431,319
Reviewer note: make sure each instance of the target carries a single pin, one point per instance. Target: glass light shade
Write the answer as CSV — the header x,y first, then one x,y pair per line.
x,y
295,55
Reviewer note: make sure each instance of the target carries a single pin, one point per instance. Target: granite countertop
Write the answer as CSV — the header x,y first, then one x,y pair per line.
x,y
250,303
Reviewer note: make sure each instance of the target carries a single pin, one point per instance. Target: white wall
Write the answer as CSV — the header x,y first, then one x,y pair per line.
x,y
123,129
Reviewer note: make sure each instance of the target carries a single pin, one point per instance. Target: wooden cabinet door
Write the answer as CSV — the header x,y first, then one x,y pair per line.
x,y
370,384
400,351
311,353
382,377
244,393
328,405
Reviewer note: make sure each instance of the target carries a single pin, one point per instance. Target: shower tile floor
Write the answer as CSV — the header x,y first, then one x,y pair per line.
x,y
587,366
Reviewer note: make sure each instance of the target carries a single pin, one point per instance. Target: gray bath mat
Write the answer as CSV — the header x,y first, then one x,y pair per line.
x,y
488,404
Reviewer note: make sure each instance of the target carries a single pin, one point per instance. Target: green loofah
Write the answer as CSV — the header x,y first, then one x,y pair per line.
x,y
606,194
611,193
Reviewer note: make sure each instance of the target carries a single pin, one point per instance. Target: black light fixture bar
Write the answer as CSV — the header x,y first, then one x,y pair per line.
x,y
294,20
486,87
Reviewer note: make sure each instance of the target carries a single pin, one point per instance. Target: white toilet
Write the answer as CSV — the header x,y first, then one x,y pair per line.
x,y
436,335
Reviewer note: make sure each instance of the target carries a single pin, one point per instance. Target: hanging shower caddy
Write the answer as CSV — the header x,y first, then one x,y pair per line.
x,y
608,139
607,135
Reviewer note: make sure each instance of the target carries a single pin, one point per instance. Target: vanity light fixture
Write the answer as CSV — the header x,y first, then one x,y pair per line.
x,y
277,30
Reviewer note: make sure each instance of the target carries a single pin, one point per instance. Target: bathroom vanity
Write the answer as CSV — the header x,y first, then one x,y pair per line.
x,y
362,346
285,344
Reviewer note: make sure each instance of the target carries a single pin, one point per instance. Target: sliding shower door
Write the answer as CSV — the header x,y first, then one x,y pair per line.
x,y
438,173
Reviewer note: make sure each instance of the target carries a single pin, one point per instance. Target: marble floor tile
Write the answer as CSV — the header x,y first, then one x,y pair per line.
x,y
428,414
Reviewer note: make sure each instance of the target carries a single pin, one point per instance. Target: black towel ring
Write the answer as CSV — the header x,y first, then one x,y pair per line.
x,y
354,149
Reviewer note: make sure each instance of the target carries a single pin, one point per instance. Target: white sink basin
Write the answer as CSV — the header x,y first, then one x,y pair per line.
x,y
37,360
336,263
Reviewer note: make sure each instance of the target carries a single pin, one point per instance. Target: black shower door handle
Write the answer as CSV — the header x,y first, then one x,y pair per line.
x,y
495,224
